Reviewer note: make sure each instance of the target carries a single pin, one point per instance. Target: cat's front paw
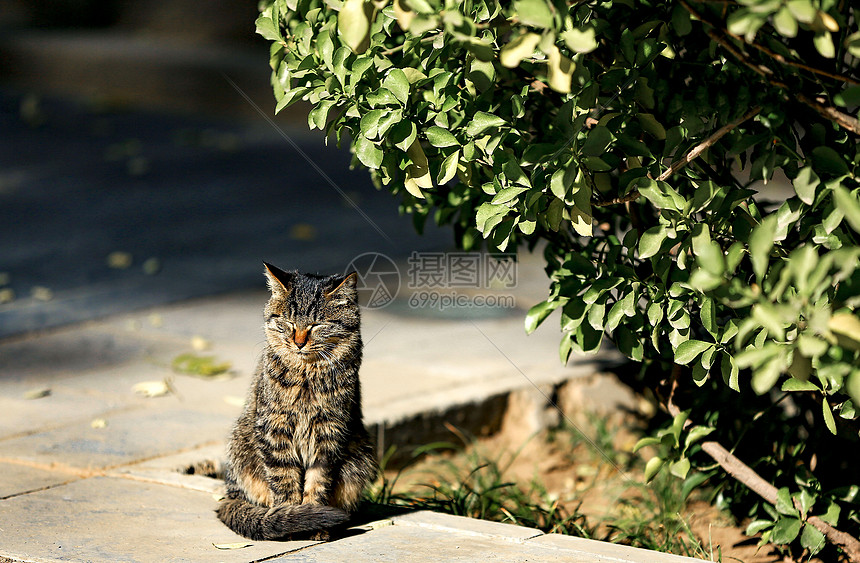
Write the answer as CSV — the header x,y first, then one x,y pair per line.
x,y
322,535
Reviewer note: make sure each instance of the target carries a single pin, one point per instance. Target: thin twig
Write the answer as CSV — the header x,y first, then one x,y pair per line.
x,y
687,158
707,143
828,112
769,52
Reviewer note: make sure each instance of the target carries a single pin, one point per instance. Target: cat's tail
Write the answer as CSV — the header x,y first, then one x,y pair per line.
x,y
263,523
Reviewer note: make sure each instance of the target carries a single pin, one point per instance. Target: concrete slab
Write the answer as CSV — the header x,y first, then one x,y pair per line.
x,y
403,544
470,526
68,353
592,550
109,519
21,479
62,407
127,437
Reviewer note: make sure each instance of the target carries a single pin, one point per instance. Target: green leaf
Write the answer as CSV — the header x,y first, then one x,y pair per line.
x,y
559,70
367,152
766,376
440,137
805,184
580,212
757,526
597,142
690,350
353,23
768,316
680,468
650,124
403,135
267,28
799,385
661,195
786,530
555,214
652,467
823,42
848,97
825,159
508,194
417,173
488,216
812,539
853,44
397,83
828,416
651,241
848,204
708,317
538,313
519,48
852,386
580,40
483,121
646,441
697,433
784,503
536,13
803,10
761,243
449,168
785,22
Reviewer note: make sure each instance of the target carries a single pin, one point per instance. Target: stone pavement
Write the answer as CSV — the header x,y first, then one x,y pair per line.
x,y
95,472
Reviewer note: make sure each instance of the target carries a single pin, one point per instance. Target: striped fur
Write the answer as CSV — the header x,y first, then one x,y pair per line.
x,y
299,455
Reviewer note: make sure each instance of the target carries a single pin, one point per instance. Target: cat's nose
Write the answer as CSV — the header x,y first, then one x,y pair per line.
x,y
301,338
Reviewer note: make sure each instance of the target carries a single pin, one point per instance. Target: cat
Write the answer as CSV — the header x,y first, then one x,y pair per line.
x,y
299,456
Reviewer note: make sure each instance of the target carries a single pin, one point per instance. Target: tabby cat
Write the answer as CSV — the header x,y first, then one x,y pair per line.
x,y
299,455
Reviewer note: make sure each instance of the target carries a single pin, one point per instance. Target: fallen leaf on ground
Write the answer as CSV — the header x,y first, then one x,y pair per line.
x,y
119,260
151,266
237,545
200,344
7,295
152,388
37,393
303,231
204,366
40,293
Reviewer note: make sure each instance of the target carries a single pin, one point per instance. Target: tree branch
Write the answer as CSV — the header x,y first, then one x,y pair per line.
x,y
743,473
752,480
828,112
687,158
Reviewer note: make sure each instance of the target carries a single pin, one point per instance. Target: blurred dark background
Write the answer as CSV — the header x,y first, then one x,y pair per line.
x,y
133,173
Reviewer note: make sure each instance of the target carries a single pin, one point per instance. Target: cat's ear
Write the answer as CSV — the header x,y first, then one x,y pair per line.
x,y
344,288
279,282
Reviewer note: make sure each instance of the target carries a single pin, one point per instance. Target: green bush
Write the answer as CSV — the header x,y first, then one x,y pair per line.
x,y
645,143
